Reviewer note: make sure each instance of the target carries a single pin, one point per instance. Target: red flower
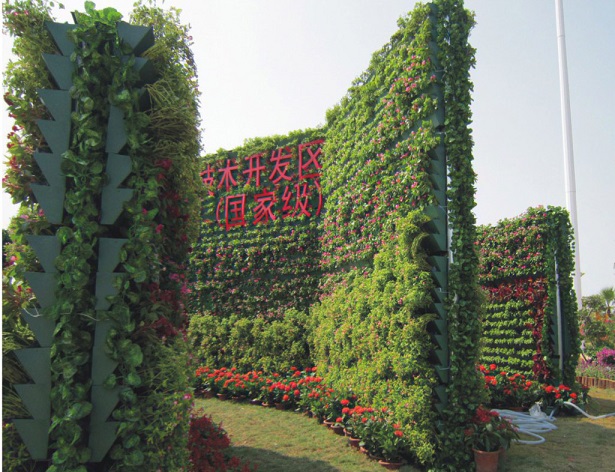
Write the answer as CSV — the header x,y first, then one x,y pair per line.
x,y
493,366
285,398
345,402
399,433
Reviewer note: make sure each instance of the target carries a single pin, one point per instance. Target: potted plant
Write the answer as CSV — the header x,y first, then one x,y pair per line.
x,y
509,390
391,445
554,397
205,382
488,434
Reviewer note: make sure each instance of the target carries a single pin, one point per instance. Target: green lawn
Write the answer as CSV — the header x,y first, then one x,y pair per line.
x,y
281,441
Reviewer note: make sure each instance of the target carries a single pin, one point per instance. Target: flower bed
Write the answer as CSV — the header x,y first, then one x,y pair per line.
x,y
304,391
600,368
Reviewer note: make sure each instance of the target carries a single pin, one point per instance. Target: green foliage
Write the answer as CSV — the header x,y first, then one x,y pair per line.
x,y
464,301
379,144
523,262
596,321
15,456
25,21
370,334
250,343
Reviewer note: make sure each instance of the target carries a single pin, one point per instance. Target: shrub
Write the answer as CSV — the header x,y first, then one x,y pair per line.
x,y
606,357
269,345
208,443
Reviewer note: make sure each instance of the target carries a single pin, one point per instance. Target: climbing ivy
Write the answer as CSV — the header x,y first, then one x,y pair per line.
x,y
464,301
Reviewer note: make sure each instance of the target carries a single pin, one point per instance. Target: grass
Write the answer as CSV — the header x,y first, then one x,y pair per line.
x,y
279,441
578,444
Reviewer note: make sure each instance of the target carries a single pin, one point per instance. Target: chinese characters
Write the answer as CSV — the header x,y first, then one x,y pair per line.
x,y
254,190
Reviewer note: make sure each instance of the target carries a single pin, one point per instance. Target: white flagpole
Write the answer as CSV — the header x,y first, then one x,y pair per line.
x,y
571,190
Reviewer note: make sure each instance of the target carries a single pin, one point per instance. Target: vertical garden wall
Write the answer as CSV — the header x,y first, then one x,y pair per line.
x,y
383,269
530,317
400,189
97,155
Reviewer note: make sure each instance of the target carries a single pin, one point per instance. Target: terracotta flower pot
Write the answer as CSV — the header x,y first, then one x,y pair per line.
x,y
486,461
222,396
338,429
390,465
354,442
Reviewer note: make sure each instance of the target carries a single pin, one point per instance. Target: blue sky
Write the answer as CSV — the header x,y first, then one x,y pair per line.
x,y
272,66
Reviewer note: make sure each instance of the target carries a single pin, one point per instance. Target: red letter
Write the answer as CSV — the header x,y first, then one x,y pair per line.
x,y
303,199
264,210
255,168
288,211
207,175
304,165
234,211
281,162
227,175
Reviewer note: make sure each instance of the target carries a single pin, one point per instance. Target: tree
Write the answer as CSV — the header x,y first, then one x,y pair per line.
x,y
607,297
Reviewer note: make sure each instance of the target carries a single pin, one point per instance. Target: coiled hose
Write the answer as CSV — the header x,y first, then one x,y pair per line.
x,y
536,422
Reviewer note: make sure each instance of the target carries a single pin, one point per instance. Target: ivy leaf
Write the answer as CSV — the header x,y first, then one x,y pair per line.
x,y
135,458
135,356
79,410
133,379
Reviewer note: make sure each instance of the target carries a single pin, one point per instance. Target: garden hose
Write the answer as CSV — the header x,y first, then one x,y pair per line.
x,y
535,422
587,415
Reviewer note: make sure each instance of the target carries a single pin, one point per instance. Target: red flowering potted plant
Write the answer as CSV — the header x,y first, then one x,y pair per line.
x,y
488,434
509,390
356,424
553,397
391,445
205,382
